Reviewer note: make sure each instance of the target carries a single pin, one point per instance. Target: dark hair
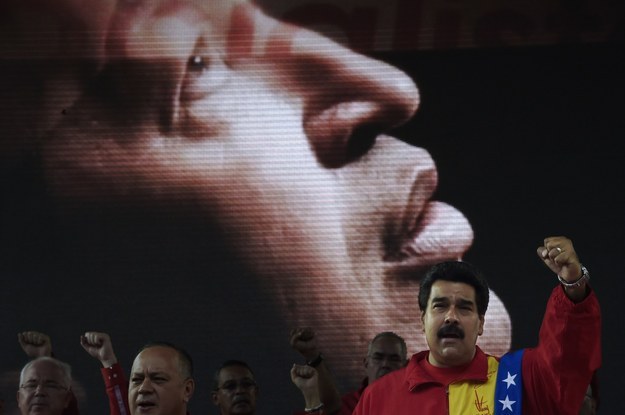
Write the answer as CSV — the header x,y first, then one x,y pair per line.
x,y
229,363
186,363
392,335
455,271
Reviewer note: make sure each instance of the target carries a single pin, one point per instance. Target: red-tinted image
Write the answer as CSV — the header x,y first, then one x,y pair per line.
x,y
218,173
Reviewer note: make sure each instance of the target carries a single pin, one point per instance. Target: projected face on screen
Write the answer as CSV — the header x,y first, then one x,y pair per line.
x,y
224,115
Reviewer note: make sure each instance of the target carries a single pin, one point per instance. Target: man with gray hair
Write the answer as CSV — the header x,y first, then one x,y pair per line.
x,y
386,352
44,387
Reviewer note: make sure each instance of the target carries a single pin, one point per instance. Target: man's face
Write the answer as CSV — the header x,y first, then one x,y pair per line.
x,y
385,356
157,386
237,391
451,323
43,390
223,115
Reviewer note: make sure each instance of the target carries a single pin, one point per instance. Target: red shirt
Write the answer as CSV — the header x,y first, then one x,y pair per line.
x,y
555,374
350,399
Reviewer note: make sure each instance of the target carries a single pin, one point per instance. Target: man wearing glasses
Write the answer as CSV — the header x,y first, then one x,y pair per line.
x,y
44,387
235,390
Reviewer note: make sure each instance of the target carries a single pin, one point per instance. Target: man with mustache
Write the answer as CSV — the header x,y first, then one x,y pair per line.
x,y
235,389
456,377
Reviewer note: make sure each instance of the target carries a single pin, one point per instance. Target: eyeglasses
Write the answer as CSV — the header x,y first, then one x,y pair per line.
x,y
48,386
232,385
379,357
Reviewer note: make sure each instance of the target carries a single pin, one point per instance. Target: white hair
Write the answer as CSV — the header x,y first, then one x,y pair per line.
x,y
66,369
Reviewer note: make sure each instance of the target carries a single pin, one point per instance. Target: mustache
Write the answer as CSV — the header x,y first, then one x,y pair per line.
x,y
451,330
240,399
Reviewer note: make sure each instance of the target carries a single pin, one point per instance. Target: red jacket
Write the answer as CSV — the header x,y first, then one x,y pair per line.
x,y
555,374
350,399
116,389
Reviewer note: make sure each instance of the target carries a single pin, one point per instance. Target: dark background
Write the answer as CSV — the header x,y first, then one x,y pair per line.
x,y
527,141
528,144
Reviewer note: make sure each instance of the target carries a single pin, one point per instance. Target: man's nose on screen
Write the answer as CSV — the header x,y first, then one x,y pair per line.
x,y
347,99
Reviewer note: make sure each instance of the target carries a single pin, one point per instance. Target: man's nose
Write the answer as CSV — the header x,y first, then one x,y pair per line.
x,y
145,386
355,99
386,362
451,316
348,98
240,388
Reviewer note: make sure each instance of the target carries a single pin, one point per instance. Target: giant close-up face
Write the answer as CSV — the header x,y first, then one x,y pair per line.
x,y
279,137
216,173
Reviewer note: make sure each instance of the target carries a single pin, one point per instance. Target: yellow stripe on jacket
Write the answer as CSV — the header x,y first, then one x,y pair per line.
x,y
474,398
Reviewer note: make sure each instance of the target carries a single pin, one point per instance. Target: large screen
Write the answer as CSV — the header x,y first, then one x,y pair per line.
x,y
217,173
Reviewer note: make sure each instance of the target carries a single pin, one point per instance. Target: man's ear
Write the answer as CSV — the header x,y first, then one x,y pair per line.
x,y
365,361
189,388
423,321
480,330
215,397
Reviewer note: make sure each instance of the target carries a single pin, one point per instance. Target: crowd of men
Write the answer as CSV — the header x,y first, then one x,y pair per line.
x,y
557,376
